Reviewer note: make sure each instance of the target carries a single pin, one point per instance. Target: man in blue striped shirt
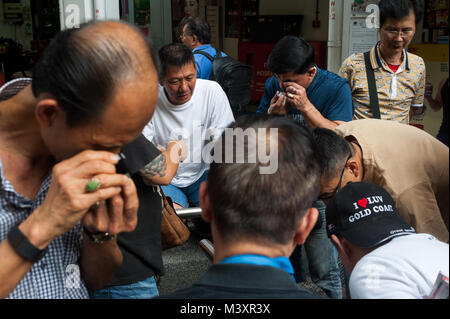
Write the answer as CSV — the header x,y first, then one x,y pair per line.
x,y
61,201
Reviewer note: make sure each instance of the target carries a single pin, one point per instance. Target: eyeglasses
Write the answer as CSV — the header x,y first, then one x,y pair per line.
x,y
326,196
402,33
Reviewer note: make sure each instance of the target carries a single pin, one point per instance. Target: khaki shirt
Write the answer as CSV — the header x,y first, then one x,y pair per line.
x,y
397,92
411,165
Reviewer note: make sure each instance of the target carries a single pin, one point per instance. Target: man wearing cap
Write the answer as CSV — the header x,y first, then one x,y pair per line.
x,y
384,255
409,163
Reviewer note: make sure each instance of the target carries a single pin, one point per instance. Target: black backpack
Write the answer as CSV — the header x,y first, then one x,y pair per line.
x,y
234,77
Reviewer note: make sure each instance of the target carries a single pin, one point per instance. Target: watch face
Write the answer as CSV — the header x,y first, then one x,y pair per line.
x,y
102,238
99,238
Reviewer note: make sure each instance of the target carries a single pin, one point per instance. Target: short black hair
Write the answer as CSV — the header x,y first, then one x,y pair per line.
x,y
399,9
291,54
83,76
198,27
174,54
248,205
334,150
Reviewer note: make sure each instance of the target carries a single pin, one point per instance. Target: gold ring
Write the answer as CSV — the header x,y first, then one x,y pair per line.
x,y
290,95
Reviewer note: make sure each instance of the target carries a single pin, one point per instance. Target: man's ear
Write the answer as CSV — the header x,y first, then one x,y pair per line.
x,y
312,71
205,203
46,111
195,39
355,169
306,225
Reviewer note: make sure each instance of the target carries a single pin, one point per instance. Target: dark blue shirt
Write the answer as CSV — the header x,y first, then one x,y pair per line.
x,y
204,65
329,93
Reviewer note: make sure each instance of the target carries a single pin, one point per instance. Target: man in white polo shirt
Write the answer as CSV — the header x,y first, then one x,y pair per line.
x,y
189,109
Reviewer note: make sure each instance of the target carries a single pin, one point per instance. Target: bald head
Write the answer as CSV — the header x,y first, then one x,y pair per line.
x,y
118,40
84,68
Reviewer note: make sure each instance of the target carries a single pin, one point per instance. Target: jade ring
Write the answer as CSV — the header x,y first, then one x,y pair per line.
x,y
93,185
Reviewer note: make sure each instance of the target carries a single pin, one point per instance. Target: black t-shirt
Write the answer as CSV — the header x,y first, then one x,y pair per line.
x,y
141,249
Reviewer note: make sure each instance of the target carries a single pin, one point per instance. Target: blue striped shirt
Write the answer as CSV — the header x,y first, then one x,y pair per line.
x,y
56,275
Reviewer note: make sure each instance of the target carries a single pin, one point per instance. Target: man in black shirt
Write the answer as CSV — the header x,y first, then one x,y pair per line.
x,y
141,249
258,215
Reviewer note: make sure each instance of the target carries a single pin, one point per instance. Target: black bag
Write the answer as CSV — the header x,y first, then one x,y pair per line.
x,y
234,77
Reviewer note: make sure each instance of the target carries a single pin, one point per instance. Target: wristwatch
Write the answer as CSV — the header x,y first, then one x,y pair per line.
x,y
23,247
99,238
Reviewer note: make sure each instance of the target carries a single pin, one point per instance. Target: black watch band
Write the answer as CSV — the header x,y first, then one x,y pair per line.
x,y
23,246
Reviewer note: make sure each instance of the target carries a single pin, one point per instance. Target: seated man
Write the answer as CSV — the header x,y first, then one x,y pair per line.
x,y
255,231
196,35
93,91
385,257
188,109
409,163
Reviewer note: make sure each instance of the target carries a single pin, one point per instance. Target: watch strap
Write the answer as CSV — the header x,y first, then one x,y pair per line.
x,y
23,247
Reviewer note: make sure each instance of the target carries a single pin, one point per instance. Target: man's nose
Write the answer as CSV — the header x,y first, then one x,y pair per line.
x,y
183,86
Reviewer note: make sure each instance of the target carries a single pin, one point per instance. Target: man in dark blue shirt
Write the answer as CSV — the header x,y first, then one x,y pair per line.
x,y
303,91
315,98
255,232
327,92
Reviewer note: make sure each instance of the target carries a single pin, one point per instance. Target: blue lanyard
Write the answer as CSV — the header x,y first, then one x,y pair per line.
x,y
280,262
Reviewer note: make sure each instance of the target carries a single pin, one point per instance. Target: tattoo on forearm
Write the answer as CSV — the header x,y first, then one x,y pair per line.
x,y
157,167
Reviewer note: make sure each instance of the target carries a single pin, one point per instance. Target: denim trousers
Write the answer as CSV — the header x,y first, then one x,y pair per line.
x,y
144,289
185,196
323,258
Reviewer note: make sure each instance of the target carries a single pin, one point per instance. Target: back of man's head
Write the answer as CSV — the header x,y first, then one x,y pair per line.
x,y
81,68
291,54
334,150
264,208
174,55
198,27
399,9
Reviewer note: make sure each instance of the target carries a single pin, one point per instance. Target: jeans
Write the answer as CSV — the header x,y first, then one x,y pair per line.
x,y
323,258
185,195
144,289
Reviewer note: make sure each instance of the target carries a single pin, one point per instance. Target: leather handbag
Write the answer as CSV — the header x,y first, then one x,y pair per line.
x,y
173,231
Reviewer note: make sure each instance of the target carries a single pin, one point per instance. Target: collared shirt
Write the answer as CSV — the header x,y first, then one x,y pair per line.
x,y
56,275
329,93
282,263
411,165
204,65
397,91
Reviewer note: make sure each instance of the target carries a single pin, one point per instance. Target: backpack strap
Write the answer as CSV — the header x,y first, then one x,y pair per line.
x,y
372,84
210,58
